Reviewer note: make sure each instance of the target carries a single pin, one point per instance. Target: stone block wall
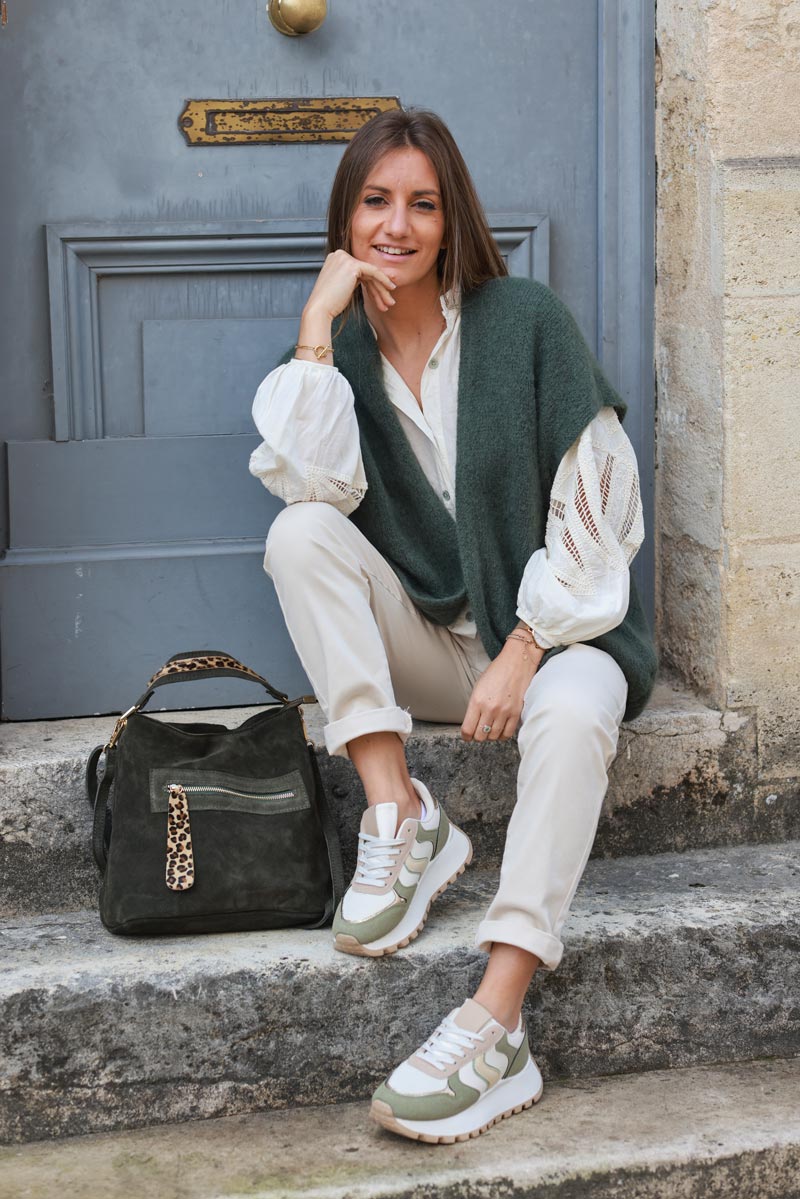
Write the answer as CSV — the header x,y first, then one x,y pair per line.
x,y
728,362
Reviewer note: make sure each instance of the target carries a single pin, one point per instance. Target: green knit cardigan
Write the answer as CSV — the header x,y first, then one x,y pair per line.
x,y
528,386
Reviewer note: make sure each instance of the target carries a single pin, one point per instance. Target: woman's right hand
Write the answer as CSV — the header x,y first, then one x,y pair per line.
x,y
339,278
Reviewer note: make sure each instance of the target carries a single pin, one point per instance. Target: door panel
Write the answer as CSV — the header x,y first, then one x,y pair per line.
x,y
202,374
173,278
132,491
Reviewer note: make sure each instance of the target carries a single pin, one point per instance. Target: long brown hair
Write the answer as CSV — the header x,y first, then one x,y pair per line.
x,y
470,255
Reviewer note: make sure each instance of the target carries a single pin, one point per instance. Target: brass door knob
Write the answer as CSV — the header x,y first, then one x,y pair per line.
x,y
295,17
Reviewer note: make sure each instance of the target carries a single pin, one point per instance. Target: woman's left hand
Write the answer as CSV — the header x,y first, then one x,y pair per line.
x,y
499,693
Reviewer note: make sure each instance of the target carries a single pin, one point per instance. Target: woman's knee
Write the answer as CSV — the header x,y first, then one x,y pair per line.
x,y
574,699
297,531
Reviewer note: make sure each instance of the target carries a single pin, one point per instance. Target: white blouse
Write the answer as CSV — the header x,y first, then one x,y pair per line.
x,y
573,589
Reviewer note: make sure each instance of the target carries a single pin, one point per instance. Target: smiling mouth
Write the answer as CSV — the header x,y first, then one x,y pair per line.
x,y
394,251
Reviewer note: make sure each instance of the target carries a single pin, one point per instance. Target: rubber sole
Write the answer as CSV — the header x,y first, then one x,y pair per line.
x,y
425,1130
458,849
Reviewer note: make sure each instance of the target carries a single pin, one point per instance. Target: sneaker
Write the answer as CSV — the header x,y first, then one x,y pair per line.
x,y
468,1075
400,872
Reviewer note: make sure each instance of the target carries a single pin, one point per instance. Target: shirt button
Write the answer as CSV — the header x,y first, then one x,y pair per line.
x,y
434,362
445,495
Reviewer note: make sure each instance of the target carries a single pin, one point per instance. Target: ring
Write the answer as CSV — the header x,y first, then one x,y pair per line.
x,y
487,728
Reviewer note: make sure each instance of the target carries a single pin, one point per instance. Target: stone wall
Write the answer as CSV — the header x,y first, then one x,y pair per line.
x,y
728,361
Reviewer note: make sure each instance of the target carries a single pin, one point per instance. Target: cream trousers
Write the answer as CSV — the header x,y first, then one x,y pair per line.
x,y
375,661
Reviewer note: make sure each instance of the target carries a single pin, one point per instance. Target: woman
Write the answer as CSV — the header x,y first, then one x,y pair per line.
x,y
491,588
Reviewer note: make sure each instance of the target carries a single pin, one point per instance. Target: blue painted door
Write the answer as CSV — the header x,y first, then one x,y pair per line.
x,y
149,286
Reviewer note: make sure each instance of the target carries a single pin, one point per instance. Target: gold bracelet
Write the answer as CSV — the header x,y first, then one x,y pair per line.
x,y
533,641
543,648
525,641
319,352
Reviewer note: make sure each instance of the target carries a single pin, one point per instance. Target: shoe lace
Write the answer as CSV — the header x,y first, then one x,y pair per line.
x,y
377,857
448,1044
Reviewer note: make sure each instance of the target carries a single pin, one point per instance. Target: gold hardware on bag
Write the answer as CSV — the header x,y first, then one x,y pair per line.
x,y
305,730
119,726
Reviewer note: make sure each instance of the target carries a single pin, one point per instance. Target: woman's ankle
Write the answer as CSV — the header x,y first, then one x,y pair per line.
x,y
504,1013
380,761
408,804
503,988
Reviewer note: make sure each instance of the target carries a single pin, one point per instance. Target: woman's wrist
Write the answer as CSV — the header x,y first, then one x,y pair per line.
x,y
315,331
317,314
524,629
521,647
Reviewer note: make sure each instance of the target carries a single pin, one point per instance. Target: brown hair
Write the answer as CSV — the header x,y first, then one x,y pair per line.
x,y
470,255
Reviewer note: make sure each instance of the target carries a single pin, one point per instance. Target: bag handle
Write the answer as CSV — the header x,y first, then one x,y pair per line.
x,y
200,664
331,843
206,664
98,788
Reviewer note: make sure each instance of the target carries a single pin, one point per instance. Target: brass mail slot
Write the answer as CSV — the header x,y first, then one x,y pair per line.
x,y
240,122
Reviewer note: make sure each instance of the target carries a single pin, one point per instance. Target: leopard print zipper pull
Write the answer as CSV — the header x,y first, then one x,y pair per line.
x,y
180,858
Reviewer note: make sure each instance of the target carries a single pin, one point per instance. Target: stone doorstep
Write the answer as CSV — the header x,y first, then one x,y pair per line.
x,y
684,777
729,1130
671,960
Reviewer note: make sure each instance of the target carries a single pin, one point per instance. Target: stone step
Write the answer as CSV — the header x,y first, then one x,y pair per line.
x,y
671,960
684,777
729,1130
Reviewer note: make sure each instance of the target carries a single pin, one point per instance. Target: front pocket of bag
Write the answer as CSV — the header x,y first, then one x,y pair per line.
x,y
217,791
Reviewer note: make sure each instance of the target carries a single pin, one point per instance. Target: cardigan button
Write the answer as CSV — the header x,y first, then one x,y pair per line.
x,y
468,613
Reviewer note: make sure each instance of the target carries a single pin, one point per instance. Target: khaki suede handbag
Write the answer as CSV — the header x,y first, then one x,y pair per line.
x,y
200,828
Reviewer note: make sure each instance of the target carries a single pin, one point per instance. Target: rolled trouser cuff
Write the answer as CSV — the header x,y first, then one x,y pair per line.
x,y
374,720
523,935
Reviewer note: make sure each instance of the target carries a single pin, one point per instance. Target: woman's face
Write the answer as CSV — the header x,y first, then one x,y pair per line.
x,y
398,224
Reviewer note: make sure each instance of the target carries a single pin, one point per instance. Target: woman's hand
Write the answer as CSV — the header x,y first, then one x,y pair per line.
x,y
336,282
338,279
499,693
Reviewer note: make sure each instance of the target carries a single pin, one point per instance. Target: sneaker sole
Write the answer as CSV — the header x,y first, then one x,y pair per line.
x,y
443,870
510,1097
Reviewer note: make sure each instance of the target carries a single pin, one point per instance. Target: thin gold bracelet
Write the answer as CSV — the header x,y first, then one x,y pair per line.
x,y
525,641
528,629
319,352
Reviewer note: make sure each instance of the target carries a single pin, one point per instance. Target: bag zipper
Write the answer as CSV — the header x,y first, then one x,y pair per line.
x,y
203,789
180,867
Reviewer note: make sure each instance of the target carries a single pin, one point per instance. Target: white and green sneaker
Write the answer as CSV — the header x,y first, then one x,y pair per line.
x,y
468,1075
399,873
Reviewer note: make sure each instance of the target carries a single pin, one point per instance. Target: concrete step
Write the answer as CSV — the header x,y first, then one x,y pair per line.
x,y
707,1131
671,960
684,777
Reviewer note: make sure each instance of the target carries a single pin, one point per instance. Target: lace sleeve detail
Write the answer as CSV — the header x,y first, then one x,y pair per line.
x,y
595,519
311,448
577,586
322,485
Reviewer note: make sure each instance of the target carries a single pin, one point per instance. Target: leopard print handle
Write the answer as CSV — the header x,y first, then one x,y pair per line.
x,y
207,664
190,665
